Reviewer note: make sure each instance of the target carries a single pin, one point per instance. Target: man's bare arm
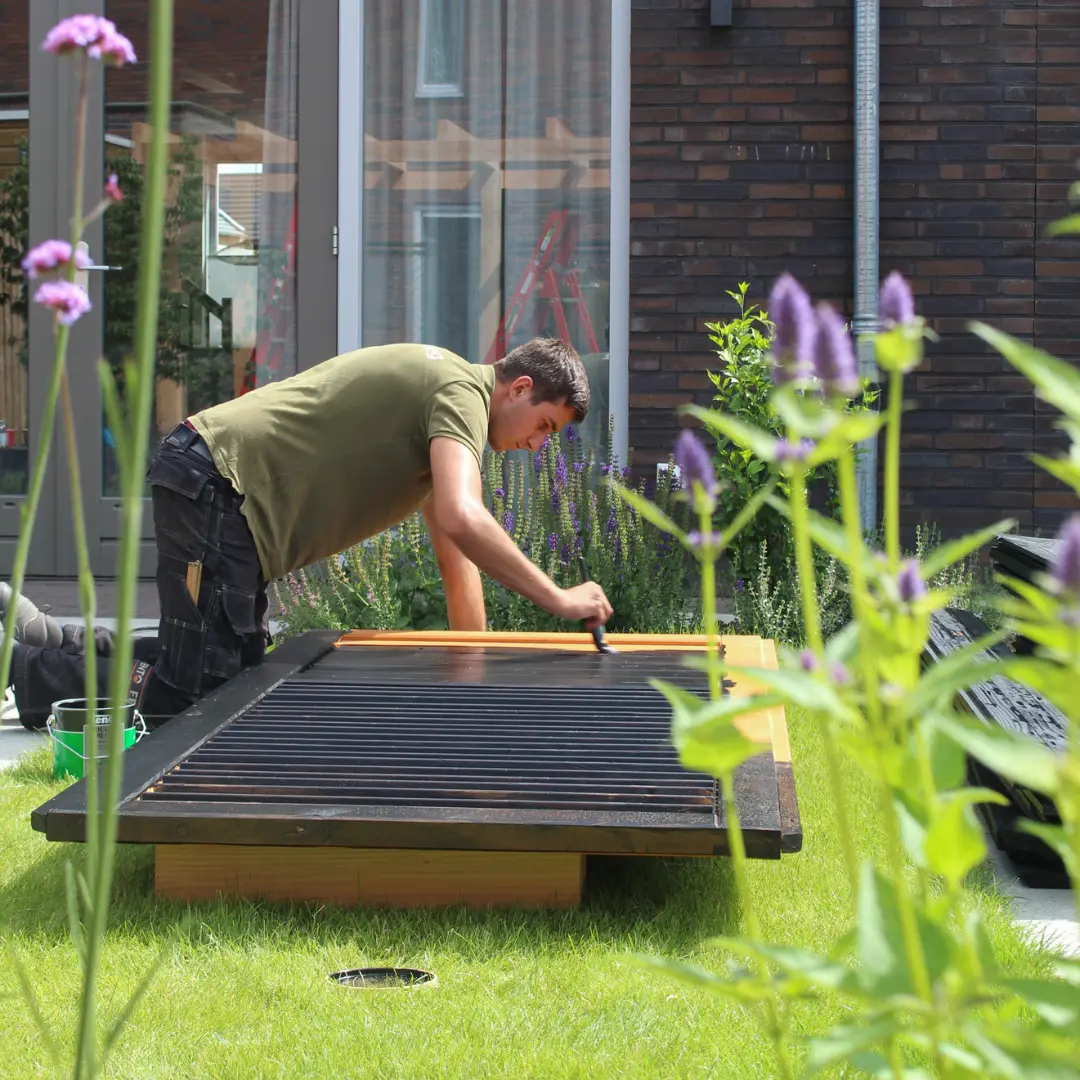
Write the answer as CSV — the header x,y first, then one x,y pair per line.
x,y
461,579
458,510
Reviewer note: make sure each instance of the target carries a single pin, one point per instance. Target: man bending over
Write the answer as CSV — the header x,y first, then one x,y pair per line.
x,y
298,471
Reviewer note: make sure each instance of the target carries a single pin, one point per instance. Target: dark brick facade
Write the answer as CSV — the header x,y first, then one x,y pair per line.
x,y
742,166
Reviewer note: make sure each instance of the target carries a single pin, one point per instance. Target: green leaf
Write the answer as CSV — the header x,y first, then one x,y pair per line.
x,y
748,513
648,510
793,961
953,551
1065,226
882,968
699,717
1056,380
1055,683
843,1042
1057,1002
852,431
717,751
744,435
957,671
954,841
796,687
1067,472
897,349
829,535
1019,759
1054,837
691,975
948,763
878,1067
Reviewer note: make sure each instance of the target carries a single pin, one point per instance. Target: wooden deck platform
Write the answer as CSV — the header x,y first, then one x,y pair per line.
x,y
426,769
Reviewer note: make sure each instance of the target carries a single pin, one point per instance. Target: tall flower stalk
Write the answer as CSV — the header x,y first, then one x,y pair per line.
x,y
86,38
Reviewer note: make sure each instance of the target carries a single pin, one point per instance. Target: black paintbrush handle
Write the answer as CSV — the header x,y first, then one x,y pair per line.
x,y
597,631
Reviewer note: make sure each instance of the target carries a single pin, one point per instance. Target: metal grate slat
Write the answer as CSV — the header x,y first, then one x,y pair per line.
x,y
384,743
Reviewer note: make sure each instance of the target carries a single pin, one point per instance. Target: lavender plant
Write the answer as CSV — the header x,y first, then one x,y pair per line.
x,y
556,506
83,40
915,971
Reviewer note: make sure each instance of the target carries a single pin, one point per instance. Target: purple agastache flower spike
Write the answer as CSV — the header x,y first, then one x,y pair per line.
x,y
808,661
538,462
67,299
834,355
1066,565
694,462
739,584
909,582
698,541
840,674
553,541
51,256
792,316
571,434
896,305
508,521
579,466
787,451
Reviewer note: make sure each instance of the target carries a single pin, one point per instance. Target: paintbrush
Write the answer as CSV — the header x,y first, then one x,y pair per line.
x,y
597,631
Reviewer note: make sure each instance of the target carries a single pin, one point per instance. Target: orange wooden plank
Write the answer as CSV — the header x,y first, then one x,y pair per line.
x,y
369,876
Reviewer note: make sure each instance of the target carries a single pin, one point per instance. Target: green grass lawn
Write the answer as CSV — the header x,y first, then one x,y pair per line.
x,y
245,992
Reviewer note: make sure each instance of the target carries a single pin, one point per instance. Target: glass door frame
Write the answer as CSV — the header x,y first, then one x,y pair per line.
x,y
350,201
51,129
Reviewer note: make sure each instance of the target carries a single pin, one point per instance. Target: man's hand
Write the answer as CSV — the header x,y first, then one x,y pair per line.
x,y
586,602
458,511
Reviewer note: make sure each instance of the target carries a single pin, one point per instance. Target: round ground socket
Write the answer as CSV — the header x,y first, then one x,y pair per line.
x,y
383,978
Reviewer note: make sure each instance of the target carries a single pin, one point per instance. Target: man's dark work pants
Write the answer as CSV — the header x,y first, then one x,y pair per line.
x,y
211,591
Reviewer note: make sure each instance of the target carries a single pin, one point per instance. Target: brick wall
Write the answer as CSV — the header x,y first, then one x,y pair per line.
x,y
742,144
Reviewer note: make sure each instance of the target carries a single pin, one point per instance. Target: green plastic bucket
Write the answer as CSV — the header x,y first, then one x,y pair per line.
x,y
67,732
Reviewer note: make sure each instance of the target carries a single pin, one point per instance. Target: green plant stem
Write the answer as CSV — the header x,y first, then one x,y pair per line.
x,y
811,618
892,469
753,928
152,242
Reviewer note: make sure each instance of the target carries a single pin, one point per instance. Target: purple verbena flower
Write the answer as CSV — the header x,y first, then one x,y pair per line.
x,y
909,582
694,462
112,47
808,661
67,299
792,316
51,256
499,493
896,305
834,355
1066,564
97,36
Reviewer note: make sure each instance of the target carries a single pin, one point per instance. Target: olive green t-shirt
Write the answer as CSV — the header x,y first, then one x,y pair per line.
x,y
340,452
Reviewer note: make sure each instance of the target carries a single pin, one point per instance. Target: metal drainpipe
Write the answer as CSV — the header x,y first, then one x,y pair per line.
x,y
867,133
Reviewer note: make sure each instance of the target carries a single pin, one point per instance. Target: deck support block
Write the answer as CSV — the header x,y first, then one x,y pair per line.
x,y
379,877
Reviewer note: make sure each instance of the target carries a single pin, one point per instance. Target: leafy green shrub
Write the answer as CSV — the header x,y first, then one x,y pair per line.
x,y
744,384
556,508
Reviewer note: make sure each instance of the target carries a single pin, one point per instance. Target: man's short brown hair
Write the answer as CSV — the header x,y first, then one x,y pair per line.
x,y
556,370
